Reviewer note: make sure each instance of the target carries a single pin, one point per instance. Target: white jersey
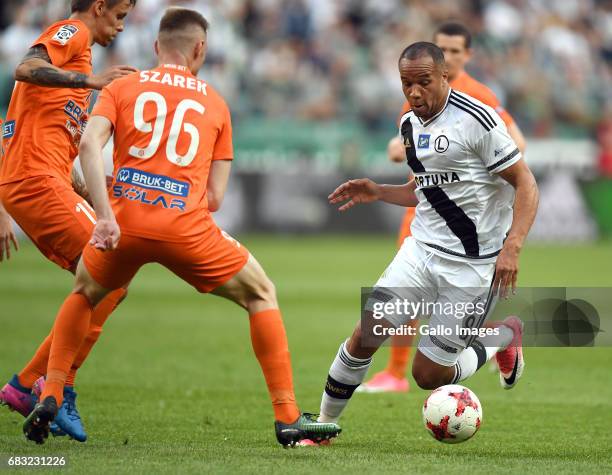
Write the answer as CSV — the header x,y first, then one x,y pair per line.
x,y
465,208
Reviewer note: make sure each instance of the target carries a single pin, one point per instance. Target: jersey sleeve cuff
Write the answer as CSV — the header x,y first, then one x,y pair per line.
x,y
54,56
505,162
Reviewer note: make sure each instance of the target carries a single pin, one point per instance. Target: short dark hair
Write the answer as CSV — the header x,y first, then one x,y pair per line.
x,y
453,28
424,48
83,5
176,18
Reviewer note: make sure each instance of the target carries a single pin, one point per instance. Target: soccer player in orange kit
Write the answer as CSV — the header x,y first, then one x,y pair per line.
x,y
455,40
41,133
172,159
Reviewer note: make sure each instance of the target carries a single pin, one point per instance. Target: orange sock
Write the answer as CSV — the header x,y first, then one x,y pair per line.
x,y
98,318
272,351
37,366
400,353
69,332
398,361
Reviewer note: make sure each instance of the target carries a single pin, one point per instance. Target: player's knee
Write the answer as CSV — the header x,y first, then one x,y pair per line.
x,y
90,290
427,379
263,291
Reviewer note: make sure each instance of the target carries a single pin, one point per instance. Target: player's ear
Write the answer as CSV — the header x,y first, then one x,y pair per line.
x,y
200,50
156,47
445,72
468,54
99,7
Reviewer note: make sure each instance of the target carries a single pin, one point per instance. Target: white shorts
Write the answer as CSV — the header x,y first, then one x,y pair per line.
x,y
455,295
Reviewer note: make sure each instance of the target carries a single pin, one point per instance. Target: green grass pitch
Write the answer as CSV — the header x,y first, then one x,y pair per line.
x,y
173,387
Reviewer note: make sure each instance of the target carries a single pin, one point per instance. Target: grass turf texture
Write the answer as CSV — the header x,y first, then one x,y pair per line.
x,y
173,385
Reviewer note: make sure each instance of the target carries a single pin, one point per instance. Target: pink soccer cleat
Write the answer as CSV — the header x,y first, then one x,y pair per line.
x,y
17,398
384,382
510,361
312,443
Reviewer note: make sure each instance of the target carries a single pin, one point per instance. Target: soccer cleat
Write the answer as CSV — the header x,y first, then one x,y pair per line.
x,y
17,398
36,425
305,427
37,389
68,420
384,382
510,361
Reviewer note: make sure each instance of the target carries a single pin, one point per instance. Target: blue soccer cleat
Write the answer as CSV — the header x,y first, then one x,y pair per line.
x,y
68,419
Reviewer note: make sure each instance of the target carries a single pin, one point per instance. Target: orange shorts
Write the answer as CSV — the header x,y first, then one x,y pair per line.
x,y
205,262
404,230
56,219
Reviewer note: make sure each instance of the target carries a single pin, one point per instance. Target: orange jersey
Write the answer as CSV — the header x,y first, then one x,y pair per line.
x,y
468,85
43,125
168,128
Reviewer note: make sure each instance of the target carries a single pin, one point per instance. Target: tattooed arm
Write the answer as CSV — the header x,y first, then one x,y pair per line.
x,y
79,186
36,68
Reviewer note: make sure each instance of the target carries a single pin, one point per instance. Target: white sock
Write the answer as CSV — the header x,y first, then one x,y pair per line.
x,y
478,353
345,374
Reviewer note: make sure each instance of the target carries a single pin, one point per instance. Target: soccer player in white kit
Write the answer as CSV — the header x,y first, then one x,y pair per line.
x,y
475,200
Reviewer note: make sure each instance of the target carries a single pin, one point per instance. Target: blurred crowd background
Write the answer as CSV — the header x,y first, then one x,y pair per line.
x,y
315,82
549,61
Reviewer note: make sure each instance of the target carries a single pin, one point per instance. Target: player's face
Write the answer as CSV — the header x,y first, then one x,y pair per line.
x,y
456,54
424,84
109,21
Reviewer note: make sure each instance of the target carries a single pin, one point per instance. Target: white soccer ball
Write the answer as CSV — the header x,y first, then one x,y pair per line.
x,y
452,414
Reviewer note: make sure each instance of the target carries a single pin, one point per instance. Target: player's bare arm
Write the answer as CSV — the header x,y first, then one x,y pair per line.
x,y
36,68
7,235
217,183
525,207
364,190
106,232
396,151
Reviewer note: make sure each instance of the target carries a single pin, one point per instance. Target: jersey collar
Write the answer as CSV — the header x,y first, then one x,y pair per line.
x,y
429,121
176,67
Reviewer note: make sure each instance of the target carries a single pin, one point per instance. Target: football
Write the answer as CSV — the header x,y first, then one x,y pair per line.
x,y
452,414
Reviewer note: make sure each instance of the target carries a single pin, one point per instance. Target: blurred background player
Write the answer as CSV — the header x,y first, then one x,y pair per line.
x,y
173,153
456,42
38,186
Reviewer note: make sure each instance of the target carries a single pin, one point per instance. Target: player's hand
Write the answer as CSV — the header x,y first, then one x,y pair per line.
x,y
7,235
396,151
506,270
105,235
362,190
98,81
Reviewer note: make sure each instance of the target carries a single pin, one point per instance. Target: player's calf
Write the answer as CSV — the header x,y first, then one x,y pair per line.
x,y
429,374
